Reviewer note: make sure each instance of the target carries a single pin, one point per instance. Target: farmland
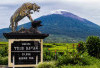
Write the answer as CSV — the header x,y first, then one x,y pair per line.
x,y
49,55
60,46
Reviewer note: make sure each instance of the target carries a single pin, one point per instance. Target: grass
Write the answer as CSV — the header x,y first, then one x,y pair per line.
x,y
3,42
60,46
77,66
47,65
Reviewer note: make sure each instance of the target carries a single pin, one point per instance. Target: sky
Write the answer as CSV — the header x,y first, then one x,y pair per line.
x,y
88,9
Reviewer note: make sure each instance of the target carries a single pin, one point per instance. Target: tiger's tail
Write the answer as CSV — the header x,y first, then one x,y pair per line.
x,y
11,22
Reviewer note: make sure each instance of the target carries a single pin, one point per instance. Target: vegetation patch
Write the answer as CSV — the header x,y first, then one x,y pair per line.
x,y
47,65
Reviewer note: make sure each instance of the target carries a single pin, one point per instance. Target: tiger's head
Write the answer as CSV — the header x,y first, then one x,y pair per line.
x,y
36,7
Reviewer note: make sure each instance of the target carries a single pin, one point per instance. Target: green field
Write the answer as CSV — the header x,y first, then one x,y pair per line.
x,y
52,47
60,46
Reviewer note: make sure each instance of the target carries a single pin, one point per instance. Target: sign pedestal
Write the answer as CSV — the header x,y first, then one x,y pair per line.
x,y
25,49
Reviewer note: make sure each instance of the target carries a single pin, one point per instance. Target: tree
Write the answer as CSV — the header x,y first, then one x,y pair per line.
x,y
93,46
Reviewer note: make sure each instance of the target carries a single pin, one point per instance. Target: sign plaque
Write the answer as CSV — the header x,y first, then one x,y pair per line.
x,y
26,52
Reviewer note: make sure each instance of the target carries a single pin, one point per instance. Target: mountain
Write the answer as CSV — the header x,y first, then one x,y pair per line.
x,y
64,26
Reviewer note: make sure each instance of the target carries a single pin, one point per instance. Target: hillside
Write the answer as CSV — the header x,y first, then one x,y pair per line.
x,y
64,27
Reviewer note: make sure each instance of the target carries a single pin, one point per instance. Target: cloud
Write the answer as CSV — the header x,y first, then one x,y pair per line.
x,y
84,8
88,1
18,1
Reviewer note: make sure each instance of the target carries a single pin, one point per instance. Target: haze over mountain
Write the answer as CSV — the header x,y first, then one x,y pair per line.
x,y
64,26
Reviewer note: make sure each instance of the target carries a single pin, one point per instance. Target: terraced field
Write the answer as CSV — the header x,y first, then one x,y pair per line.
x,y
60,46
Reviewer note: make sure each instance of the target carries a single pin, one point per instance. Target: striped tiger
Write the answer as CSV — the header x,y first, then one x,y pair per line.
x,y
21,12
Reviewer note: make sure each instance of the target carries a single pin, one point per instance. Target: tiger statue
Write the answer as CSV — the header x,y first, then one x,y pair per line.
x,y
23,11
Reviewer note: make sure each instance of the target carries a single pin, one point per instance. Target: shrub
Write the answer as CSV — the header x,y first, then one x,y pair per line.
x,y
46,65
4,50
81,47
93,46
65,59
49,55
73,60
3,60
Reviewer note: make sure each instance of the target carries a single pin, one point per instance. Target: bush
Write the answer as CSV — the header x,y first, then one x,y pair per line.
x,y
46,65
81,47
49,55
4,51
3,60
65,59
73,60
93,46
